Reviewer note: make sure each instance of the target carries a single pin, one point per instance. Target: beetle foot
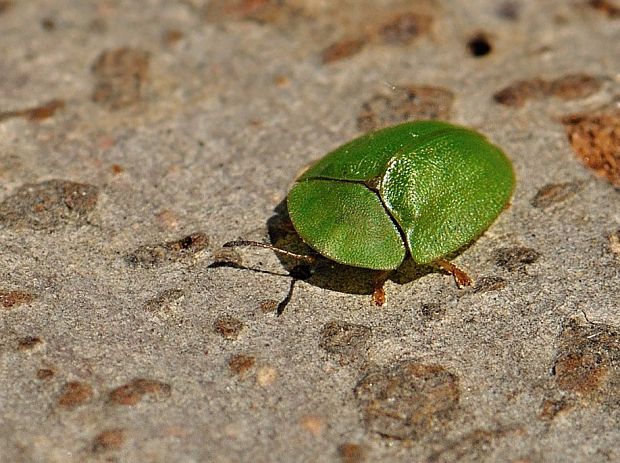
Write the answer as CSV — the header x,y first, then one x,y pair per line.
x,y
378,296
378,293
460,277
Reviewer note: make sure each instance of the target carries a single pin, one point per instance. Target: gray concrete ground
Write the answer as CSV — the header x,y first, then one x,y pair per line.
x,y
136,137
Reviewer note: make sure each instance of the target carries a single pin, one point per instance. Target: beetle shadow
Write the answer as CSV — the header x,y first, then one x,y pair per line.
x,y
325,273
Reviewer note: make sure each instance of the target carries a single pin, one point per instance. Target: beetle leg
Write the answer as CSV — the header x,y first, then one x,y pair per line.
x,y
461,278
304,257
378,293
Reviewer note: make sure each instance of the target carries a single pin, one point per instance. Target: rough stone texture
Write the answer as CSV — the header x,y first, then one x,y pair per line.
x,y
136,140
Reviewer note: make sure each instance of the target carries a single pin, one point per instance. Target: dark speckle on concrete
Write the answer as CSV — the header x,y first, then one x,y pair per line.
x,y
408,400
133,392
228,327
74,394
516,257
154,255
405,103
120,76
554,193
348,341
49,205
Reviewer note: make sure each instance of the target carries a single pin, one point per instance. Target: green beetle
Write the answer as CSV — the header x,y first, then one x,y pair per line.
x,y
424,188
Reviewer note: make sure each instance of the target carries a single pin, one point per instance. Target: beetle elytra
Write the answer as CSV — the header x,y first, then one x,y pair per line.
x,y
423,189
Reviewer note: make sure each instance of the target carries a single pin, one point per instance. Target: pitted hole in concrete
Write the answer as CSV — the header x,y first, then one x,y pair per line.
x,y
408,400
407,102
347,341
228,327
595,138
515,257
490,283
553,193
479,45
74,394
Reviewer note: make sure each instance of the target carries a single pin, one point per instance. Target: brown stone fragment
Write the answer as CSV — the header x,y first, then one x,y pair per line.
x,y
595,138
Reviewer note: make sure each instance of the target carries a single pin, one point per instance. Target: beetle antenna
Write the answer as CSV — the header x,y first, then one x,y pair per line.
x,y
256,244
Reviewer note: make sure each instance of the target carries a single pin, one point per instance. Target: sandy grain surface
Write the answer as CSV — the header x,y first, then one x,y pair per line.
x,y
138,137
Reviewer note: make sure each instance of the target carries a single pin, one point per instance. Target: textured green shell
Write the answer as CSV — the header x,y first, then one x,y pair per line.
x,y
425,187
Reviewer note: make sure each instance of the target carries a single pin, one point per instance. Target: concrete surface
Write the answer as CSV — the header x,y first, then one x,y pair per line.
x,y
138,137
